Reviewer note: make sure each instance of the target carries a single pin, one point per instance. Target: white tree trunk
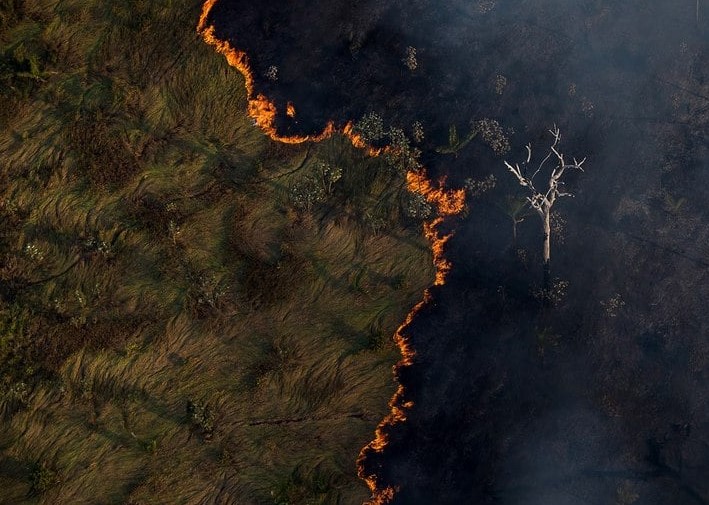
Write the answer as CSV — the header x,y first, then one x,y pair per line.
x,y
547,247
547,235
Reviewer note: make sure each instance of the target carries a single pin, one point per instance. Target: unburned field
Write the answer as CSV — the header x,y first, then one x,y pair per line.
x,y
189,312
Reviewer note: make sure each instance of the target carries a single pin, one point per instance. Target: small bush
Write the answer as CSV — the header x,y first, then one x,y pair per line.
x,y
201,418
42,478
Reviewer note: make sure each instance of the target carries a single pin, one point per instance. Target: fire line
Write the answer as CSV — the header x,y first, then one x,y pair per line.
x,y
447,202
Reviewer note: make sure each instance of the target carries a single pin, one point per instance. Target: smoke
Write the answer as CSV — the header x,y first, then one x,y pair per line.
x,y
554,456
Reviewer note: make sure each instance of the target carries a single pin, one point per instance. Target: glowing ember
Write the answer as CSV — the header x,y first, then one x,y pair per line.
x,y
290,110
448,203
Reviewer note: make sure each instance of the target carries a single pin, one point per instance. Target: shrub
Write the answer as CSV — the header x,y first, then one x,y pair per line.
x,y
201,418
42,477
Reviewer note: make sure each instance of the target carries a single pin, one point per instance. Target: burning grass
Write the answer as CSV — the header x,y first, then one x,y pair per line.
x,y
172,328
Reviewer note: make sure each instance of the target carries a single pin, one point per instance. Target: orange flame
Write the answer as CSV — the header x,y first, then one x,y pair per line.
x,y
260,109
397,411
359,142
447,202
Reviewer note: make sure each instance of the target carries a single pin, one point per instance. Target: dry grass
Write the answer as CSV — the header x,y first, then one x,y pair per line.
x,y
150,260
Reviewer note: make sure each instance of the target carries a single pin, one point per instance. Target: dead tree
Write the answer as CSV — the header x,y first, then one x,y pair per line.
x,y
543,201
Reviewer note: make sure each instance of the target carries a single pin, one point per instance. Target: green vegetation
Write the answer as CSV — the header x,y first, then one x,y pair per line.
x,y
178,323
455,144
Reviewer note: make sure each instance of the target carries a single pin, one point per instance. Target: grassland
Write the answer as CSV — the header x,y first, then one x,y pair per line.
x,y
178,323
